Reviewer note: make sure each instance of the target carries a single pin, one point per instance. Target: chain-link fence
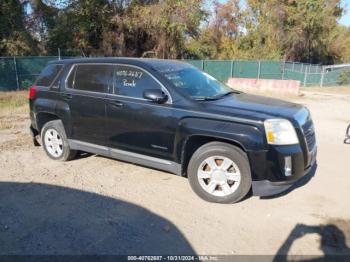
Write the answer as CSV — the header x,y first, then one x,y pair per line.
x,y
307,74
317,75
223,70
20,72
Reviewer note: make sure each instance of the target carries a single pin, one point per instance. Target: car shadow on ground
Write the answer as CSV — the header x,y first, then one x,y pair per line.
x,y
51,220
332,243
82,155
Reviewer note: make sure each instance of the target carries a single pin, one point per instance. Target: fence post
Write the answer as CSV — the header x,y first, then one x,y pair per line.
x,y
283,69
59,53
203,65
16,70
322,76
305,75
231,68
259,70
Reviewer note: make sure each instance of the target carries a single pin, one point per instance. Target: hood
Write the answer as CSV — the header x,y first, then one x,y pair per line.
x,y
256,104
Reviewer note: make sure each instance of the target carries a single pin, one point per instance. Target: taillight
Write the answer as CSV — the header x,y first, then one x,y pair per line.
x,y
32,92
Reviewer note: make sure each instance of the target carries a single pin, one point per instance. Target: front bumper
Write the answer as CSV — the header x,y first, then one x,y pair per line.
x,y
266,188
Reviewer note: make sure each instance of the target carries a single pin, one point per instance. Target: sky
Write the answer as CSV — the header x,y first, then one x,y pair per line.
x,y
346,18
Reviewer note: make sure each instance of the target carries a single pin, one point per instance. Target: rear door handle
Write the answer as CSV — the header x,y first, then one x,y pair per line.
x,y
116,103
66,96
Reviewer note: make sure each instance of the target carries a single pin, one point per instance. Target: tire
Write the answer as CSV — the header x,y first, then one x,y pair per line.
x,y
209,180
55,142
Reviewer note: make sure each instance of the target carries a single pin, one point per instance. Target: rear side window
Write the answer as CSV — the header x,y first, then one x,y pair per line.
x,y
132,81
93,78
48,75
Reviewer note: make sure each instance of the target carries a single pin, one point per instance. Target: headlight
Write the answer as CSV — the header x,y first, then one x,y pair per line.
x,y
280,132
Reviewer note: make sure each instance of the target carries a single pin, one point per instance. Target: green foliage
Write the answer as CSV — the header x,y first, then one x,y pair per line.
x,y
14,37
303,30
12,100
26,83
344,78
162,27
201,47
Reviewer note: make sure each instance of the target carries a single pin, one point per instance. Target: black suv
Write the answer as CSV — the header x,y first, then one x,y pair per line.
x,y
171,116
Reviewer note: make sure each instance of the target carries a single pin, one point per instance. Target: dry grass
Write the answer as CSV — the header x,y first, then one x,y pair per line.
x,y
13,100
13,107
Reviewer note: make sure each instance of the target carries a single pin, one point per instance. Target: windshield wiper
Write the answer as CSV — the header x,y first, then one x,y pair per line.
x,y
226,94
210,98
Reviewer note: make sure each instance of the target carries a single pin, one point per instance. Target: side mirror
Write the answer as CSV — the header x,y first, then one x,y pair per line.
x,y
155,95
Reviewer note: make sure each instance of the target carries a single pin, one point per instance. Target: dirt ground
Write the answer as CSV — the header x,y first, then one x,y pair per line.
x,y
96,205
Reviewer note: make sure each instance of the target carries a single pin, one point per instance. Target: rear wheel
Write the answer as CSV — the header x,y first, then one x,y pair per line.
x,y
219,172
55,142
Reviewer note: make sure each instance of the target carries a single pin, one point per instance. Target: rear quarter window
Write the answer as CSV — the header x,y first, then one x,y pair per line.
x,y
91,77
48,75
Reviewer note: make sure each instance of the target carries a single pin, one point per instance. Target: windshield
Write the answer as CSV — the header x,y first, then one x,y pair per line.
x,y
195,83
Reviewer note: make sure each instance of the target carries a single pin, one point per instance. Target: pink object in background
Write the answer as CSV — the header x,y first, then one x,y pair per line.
x,y
290,87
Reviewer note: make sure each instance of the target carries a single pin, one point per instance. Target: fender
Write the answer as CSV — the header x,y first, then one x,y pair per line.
x,y
41,106
54,107
63,112
249,137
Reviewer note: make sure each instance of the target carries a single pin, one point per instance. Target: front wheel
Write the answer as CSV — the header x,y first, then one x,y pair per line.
x,y
55,142
219,172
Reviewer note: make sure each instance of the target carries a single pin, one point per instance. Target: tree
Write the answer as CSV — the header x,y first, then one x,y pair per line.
x,y
300,29
164,26
129,28
80,26
303,30
340,45
15,39
221,34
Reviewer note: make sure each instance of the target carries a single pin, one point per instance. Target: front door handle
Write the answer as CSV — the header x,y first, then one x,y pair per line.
x,y
66,96
116,103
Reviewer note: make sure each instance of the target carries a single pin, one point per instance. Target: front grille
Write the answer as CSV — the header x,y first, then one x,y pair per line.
x,y
309,133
